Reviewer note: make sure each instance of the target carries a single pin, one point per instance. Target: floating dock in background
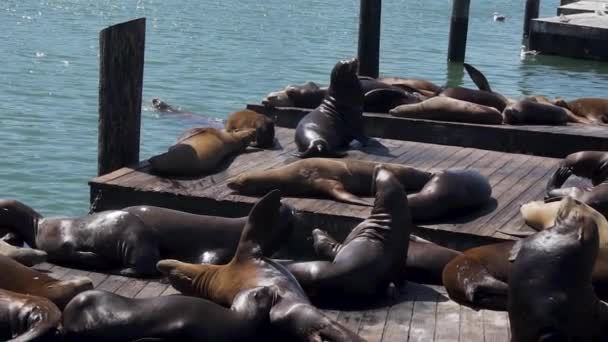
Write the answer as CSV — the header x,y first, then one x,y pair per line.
x,y
415,313
515,179
548,141
576,32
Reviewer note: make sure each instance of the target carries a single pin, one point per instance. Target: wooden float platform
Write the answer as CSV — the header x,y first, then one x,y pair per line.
x,y
583,35
586,6
415,313
549,141
515,179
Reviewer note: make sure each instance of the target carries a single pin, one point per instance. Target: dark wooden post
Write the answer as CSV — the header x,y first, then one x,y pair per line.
x,y
459,26
531,12
121,71
369,37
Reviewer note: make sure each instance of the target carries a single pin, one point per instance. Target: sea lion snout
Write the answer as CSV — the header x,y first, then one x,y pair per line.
x,y
255,303
277,99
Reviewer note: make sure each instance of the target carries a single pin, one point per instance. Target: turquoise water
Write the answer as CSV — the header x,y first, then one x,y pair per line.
x,y
214,56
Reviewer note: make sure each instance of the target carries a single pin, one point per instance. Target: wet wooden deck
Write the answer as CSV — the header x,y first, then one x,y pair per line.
x,y
417,313
515,179
547,141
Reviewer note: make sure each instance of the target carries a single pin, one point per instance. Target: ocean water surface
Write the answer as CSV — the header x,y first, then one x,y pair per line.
x,y
214,56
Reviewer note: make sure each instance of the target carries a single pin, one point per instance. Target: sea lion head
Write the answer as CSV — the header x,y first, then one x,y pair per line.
x,y
511,115
254,303
306,95
575,218
160,105
561,103
244,136
344,84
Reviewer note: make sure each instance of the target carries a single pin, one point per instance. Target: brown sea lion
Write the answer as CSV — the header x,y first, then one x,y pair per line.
x,y
25,318
372,255
427,88
263,125
592,165
291,310
593,109
551,295
339,118
22,279
345,179
200,151
534,113
449,109
24,255
131,241
167,318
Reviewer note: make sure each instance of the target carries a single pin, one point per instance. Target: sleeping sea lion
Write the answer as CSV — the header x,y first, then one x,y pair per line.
x,y
338,120
593,109
551,295
291,310
167,318
200,150
263,125
449,109
25,318
534,113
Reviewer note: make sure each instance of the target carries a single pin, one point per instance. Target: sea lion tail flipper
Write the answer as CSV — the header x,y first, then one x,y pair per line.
x,y
478,78
335,189
255,237
325,245
181,159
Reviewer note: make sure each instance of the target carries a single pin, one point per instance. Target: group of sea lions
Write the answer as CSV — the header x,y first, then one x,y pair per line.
x,y
422,99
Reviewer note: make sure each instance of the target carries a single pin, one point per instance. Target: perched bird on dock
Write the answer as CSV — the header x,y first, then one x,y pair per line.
x,y
523,52
499,17
563,18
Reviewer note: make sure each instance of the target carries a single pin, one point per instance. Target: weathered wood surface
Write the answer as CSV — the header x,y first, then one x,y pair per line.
x,y
582,7
548,141
414,313
515,179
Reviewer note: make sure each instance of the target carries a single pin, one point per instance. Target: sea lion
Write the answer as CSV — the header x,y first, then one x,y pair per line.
x,y
202,120
551,295
424,263
130,241
22,279
162,106
263,125
24,255
372,255
592,165
534,113
168,318
200,150
431,195
593,109
449,109
426,88
338,120
480,276
291,310
26,318
307,95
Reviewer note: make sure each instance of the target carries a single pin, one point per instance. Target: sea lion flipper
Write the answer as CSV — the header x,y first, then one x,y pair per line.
x,y
335,189
325,245
478,78
255,236
515,250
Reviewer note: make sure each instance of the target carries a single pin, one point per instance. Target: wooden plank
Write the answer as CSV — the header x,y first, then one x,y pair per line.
x,y
154,288
373,321
170,291
131,287
58,271
423,322
398,321
43,267
471,325
350,319
112,283
97,278
447,328
495,326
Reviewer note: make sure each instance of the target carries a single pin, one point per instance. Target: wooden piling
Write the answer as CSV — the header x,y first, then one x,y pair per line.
x,y
459,26
121,69
531,12
369,37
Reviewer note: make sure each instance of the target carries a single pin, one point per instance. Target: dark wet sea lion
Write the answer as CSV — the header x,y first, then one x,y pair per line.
x,y
162,106
427,88
22,279
372,255
200,119
291,310
25,318
131,241
306,95
592,165
24,255
167,318
200,151
345,179
338,120
551,295
593,109
449,109
480,97
263,125
534,113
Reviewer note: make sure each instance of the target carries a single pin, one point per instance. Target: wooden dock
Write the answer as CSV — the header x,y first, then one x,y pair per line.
x,y
586,6
416,313
583,35
515,179
549,141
